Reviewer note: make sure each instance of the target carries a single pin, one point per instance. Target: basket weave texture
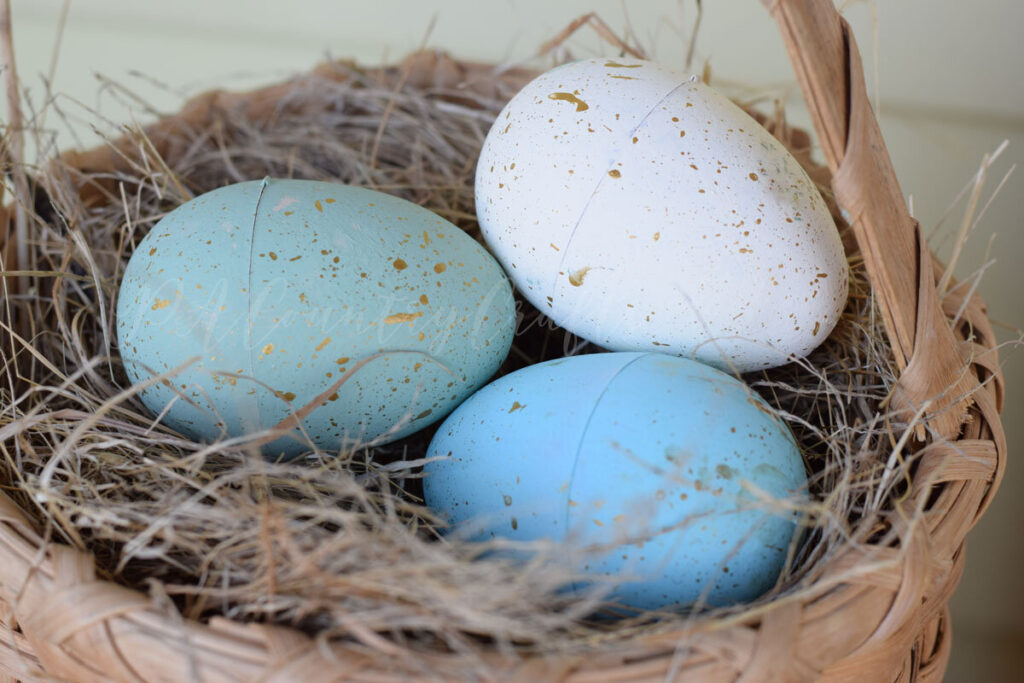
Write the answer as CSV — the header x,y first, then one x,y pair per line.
x,y
878,613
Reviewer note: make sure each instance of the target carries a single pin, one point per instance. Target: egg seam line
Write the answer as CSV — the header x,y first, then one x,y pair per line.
x,y
248,290
583,436
586,206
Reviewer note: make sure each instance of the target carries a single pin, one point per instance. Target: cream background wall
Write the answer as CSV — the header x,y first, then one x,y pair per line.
x,y
949,91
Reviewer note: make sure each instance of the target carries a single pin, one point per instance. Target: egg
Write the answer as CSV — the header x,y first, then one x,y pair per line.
x,y
655,471
341,315
643,211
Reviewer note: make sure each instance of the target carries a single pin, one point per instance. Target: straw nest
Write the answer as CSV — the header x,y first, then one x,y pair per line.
x,y
339,544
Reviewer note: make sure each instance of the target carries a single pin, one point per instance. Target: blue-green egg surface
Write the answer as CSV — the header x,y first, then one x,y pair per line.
x,y
363,314
655,470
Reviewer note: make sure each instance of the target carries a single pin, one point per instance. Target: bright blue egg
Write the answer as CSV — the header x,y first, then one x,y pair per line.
x,y
654,470
353,316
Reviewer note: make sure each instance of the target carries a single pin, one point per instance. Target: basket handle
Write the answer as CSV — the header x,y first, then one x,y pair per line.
x,y
827,63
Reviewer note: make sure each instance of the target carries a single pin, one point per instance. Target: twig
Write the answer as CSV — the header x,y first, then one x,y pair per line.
x,y
600,28
692,45
15,147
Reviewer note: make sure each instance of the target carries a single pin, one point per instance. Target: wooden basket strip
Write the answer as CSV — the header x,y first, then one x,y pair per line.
x,y
827,64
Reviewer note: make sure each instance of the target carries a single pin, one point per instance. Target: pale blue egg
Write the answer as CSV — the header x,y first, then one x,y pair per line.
x,y
655,470
359,316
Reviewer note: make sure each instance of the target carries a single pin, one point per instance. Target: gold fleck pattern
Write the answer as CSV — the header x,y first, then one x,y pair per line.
x,y
576,277
516,405
321,345
395,318
160,303
571,98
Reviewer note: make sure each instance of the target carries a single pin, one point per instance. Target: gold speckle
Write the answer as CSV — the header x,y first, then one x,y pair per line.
x,y
817,326
399,264
615,65
424,300
273,256
152,251
286,395
160,303
571,98
269,348
552,245
342,360
401,318
657,236
615,173
576,277
626,78
516,405
321,345
329,200
319,206
753,176
440,268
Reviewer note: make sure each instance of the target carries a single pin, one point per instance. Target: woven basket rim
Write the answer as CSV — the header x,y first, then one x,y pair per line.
x,y
882,613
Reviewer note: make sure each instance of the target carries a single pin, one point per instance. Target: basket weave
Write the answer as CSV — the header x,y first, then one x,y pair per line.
x,y
877,614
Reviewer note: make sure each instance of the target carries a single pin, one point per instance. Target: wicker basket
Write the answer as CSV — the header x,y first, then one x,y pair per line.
x,y
878,615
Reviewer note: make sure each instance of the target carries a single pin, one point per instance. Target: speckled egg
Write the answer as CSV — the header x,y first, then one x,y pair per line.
x,y
656,471
340,315
644,211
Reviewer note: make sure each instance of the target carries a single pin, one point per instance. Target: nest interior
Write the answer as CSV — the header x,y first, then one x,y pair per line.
x,y
339,545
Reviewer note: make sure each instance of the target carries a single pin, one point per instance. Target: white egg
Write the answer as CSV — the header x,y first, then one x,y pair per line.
x,y
642,210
